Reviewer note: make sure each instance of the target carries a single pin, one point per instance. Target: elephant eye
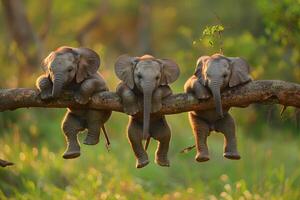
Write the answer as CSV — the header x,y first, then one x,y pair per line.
x,y
225,75
157,77
70,69
139,76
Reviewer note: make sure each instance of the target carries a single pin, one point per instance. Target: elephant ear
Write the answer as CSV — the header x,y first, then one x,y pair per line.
x,y
124,69
170,71
239,72
46,61
88,63
199,67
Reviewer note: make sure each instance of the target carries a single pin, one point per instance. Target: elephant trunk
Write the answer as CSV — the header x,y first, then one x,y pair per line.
x,y
147,90
215,89
57,85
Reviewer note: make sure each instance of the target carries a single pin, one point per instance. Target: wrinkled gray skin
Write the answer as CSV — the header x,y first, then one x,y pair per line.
x,y
75,69
213,75
145,82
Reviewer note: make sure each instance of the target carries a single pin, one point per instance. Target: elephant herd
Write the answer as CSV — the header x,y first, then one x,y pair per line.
x,y
144,84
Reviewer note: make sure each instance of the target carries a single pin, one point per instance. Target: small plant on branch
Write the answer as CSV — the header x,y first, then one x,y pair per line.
x,y
212,35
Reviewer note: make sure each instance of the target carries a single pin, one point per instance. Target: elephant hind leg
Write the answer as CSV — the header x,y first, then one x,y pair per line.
x,y
135,138
71,126
201,131
161,132
95,120
4,163
227,127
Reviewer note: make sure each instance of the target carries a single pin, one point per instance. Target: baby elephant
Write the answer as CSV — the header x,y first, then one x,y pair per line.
x,y
75,69
214,74
145,81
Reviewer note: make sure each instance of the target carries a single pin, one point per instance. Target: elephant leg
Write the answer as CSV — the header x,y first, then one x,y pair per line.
x,y
158,94
157,100
95,120
44,85
194,85
201,131
129,99
161,132
94,124
87,89
135,131
200,90
71,126
4,163
227,127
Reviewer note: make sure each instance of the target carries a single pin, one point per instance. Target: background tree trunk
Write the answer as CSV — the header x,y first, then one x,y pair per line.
x,y
144,27
22,33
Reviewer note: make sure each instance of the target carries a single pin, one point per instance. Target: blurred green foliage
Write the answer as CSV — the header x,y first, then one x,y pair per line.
x,y
266,33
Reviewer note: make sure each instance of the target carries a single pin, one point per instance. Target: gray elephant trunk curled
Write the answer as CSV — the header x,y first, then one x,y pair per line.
x,y
215,89
147,90
57,85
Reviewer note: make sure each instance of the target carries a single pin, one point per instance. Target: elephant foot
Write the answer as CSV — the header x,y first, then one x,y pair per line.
x,y
89,140
142,162
232,155
72,152
162,161
46,94
131,109
4,163
202,95
202,157
81,99
156,107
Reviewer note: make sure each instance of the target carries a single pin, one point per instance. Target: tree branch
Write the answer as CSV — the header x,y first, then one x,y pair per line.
x,y
262,91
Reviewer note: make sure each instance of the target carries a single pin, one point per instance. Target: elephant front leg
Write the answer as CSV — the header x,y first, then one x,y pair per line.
x,y
4,163
161,132
44,85
227,127
135,138
129,99
71,126
201,131
158,94
194,85
201,92
87,89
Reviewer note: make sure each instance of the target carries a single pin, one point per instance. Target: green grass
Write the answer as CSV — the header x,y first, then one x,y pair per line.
x,y
269,168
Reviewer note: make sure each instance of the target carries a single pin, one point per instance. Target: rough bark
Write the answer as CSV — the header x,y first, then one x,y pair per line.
x,y
262,91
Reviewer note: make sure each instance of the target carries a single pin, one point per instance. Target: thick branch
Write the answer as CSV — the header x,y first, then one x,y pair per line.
x,y
263,91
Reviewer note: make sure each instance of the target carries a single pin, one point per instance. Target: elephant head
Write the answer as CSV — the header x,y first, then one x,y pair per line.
x,y
67,64
146,73
218,72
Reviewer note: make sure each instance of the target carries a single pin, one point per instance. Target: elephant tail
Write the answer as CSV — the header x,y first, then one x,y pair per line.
x,y
106,137
147,143
187,149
